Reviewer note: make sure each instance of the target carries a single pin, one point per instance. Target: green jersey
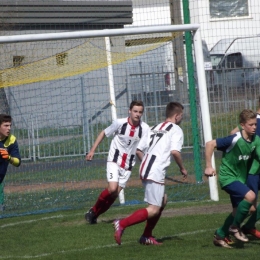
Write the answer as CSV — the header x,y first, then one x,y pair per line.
x,y
238,155
255,167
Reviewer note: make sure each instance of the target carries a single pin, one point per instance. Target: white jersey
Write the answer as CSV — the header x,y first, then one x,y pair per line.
x,y
126,138
164,138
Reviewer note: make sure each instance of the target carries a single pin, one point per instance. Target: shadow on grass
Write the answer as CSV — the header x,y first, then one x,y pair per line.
x,y
162,239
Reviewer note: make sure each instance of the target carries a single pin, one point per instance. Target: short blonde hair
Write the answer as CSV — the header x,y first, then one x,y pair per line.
x,y
246,115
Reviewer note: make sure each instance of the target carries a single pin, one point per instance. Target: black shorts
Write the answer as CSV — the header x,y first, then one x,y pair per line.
x,y
237,191
253,182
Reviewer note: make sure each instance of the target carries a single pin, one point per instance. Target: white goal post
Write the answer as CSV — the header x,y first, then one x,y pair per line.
x,y
195,28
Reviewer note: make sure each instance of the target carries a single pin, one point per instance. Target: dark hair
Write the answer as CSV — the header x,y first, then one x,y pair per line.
x,y
136,103
173,108
5,118
246,115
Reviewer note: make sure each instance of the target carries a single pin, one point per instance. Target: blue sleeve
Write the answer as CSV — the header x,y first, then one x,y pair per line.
x,y
13,150
258,125
225,142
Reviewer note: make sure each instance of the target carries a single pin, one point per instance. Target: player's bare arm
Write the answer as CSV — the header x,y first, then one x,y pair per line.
x,y
235,130
177,157
99,139
139,154
209,149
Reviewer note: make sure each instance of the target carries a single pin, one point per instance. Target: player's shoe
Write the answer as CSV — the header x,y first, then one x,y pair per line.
x,y
229,240
251,231
118,231
148,241
91,217
222,241
238,234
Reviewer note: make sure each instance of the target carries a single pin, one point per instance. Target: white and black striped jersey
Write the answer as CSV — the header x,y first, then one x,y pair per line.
x,y
164,138
126,138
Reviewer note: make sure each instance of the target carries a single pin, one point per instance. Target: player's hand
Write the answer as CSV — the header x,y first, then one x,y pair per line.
x,y
5,155
89,156
209,171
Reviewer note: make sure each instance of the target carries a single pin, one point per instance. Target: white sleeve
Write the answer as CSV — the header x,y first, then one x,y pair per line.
x,y
109,131
177,140
144,142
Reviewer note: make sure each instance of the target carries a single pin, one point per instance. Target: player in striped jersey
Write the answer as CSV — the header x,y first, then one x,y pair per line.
x,y
165,140
239,150
121,157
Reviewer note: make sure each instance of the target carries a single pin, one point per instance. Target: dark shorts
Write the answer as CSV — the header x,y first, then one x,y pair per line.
x,y
237,191
253,182
2,178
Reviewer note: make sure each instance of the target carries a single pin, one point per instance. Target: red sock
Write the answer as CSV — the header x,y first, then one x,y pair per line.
x,y
101,202
109,201
137,217
151,223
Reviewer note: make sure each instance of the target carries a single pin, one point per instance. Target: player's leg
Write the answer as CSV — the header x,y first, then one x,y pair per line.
x,y
151,222
154,193
221,236
243,208
114,189
253,182
107,196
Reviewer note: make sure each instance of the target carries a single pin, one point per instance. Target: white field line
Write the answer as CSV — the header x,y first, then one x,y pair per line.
x,y
97,247
78,250
58,216
37,220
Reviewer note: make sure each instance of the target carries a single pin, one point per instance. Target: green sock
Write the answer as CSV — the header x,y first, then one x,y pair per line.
x,y
242,212
253,218
2,193
223,231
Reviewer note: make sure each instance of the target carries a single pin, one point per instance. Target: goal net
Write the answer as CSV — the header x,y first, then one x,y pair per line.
x,y
62,89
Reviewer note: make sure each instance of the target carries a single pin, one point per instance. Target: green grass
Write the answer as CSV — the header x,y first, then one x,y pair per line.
x,y
60,191
65,235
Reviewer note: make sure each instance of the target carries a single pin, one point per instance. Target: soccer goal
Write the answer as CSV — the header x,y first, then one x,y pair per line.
x,y
63,88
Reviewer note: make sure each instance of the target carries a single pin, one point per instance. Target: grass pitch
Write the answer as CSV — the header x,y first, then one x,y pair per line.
x,y
65,235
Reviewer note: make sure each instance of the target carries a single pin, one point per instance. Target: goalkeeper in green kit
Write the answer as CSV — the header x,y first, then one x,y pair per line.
x,y
9,152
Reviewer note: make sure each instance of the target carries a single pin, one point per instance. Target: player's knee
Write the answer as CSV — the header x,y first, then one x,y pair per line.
x,y
250,196
153,211
113,191
252,209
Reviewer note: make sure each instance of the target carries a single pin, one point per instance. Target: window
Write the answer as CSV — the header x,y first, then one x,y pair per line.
x,y
234,60
228,9
62,59
17,60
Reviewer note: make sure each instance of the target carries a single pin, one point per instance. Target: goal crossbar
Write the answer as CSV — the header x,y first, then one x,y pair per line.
x,y
98,33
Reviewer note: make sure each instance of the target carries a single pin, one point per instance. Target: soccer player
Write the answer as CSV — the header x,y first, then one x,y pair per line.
x,y
9,152
165,140
253,182
121,158
238,154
